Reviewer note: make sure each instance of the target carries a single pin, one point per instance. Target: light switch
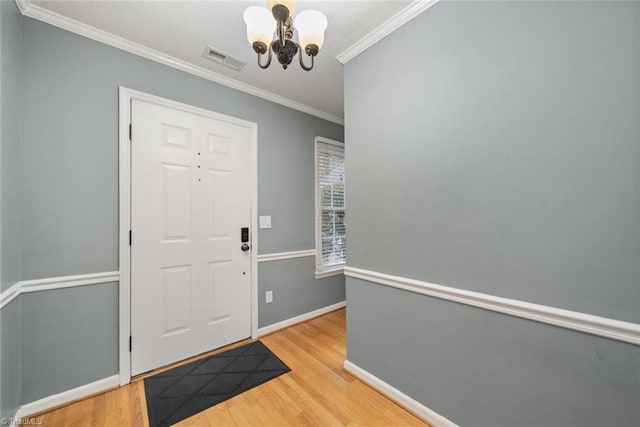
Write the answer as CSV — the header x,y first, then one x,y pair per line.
x,y
265,221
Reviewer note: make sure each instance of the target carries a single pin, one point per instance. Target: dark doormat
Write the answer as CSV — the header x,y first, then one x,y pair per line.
x,y
186,390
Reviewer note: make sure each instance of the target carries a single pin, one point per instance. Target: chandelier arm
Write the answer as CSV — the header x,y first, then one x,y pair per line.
x,y
304,67
282,32
265,66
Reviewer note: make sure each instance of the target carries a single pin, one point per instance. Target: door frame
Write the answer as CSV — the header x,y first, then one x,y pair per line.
x,y
124,174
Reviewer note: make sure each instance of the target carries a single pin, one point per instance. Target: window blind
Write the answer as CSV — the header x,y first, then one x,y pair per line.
x,y
330,205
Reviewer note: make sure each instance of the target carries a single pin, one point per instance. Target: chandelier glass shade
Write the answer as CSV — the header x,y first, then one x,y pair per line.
x,y
263,23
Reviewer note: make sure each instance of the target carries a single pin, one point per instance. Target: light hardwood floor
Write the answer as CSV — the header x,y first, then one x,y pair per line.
x,y
317,392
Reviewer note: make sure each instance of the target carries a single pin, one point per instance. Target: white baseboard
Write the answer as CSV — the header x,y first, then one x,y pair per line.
x,y
301,318
60,399
418,409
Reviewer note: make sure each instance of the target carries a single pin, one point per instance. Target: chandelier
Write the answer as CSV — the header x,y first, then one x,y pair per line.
x,y
262,23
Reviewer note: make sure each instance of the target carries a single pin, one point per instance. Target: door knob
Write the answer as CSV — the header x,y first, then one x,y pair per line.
x,y
245,247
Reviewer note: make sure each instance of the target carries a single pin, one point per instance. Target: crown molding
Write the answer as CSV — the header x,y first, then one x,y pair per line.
x,y
22,5
414,9
577,321
36,12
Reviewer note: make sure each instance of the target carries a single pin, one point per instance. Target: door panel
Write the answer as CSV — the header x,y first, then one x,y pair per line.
x,y
177,305
177,214
191,194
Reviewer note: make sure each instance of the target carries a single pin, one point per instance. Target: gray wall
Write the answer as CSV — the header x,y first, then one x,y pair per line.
x,y
10,379
69,195
508,155
506,148
298,273
483,369
70,181
10,43
69,338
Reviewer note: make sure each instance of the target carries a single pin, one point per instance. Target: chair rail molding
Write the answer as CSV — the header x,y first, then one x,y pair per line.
x,y
51,283
596,325
28,8
277,256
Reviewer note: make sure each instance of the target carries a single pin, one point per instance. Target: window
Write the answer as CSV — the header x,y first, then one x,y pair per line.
x,y
330,207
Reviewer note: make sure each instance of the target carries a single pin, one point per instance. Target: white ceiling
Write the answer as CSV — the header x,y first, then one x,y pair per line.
x,y
183,29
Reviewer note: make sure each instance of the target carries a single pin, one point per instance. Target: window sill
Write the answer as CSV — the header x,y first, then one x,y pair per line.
x,y
329,273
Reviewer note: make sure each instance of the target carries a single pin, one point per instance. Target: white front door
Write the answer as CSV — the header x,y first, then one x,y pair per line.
x,y
190,198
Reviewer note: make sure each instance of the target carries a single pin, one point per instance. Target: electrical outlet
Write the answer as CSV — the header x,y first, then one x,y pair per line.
x,y
269,297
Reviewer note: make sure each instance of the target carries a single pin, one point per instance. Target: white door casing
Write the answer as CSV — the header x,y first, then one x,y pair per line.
x,y
192,287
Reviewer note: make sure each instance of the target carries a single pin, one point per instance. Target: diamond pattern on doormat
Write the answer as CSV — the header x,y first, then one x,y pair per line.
x,y
186,390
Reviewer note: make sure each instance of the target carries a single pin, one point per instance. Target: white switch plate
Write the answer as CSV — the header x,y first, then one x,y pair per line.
x,y
269,297
265,221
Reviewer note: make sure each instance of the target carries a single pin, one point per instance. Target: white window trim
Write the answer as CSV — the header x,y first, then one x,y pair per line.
x,y
337,269
329,273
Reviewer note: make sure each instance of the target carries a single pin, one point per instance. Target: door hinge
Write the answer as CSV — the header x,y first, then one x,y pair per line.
x,y
130,343
130,237
130,131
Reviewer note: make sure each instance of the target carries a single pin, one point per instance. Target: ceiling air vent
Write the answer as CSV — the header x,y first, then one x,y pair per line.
x,y
222,58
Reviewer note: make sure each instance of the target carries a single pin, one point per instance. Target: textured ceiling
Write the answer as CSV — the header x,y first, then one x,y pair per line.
x,y
183,29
